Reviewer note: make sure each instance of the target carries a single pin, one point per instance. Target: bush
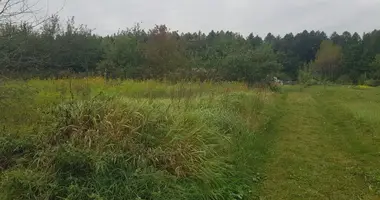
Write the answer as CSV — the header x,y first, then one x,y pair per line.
x,y
344,79
305,76
362,78
372,82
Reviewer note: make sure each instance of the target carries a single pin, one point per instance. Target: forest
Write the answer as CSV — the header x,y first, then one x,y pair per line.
x,y
57,49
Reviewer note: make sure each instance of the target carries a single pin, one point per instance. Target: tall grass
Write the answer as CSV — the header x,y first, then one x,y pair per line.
x,y
92,139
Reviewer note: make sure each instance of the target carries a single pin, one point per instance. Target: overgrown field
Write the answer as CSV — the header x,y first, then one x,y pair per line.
x,y
88,139
91,139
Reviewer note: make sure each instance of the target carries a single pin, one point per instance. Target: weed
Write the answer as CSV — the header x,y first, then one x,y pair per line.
x,y
96,139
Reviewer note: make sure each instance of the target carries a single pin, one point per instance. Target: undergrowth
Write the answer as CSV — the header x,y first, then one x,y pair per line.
x,y
87,139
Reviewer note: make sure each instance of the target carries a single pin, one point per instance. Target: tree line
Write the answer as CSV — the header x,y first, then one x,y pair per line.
x,y
56,49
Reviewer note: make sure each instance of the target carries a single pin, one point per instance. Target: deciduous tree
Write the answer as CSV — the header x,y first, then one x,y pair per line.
x,y
328,60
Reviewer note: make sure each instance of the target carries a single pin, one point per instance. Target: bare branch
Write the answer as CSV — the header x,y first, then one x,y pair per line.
x,y
5,6
12,8
20,11
23,10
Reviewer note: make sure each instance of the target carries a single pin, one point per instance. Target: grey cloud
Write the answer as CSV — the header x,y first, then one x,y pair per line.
x,y
244,16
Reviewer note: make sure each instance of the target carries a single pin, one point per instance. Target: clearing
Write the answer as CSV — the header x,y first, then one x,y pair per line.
x,y
92,139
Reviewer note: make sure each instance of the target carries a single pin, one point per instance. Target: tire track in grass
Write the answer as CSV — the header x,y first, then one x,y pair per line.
x,y
264,141
356,137
304,163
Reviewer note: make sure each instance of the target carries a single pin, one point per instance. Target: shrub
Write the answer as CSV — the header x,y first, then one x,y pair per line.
x,y
372,82
344,79
362,78
305,76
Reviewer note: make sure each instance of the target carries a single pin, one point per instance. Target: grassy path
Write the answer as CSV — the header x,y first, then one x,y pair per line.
x,y
313,157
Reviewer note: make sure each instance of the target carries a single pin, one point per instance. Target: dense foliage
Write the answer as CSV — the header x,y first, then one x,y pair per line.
x,y
57,49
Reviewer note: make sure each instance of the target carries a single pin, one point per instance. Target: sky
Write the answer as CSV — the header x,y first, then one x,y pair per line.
x,y
243,16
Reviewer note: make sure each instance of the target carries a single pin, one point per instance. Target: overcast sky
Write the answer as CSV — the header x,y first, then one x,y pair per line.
x,y
243,16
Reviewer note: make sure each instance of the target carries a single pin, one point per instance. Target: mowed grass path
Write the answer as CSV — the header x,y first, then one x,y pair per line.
x,y
324,149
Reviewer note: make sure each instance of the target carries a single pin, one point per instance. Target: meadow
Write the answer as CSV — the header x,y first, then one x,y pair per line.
x,y
96,139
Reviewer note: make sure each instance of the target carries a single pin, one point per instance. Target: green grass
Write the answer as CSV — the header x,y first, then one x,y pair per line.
x,y
325,150
88,139
92,139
